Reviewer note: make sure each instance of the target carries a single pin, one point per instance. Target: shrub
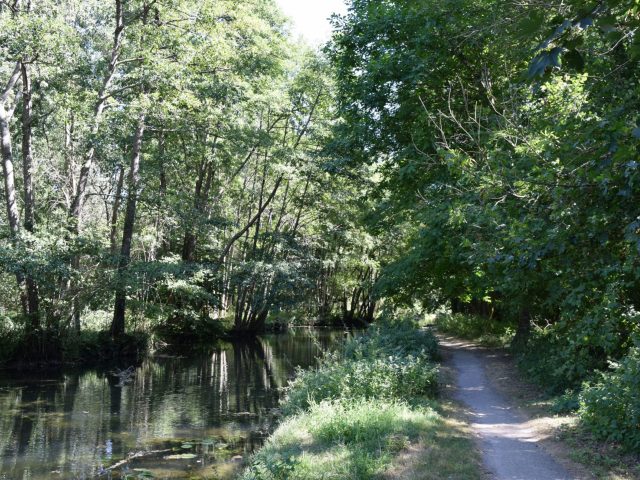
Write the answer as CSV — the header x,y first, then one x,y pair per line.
x,y
610,406
349,417
557,358
482,329
387,378
97,348
393,337
391,360
11,338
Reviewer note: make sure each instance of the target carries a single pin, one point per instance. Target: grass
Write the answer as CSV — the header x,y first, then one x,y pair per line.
x,y
365,439
369,413
605,460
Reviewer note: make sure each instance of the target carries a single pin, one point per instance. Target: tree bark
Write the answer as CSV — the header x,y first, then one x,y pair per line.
x,y
6,115
13,216
114,213
118,323
33,300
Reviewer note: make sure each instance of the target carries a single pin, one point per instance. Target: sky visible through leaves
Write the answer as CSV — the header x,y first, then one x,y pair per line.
x,y
310,17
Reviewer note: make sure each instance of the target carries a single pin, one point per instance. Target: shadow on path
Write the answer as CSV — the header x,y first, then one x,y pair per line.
x,y
510,449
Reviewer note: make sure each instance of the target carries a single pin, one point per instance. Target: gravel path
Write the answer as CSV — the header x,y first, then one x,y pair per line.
x,y
510,449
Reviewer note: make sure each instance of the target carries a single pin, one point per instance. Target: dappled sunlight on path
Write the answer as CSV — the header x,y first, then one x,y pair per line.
x,y
508,440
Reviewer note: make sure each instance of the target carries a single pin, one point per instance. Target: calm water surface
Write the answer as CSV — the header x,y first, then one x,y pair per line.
x,y
193,417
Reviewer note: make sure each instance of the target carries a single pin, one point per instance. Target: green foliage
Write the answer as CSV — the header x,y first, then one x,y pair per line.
x,y
351,439
610,405
355,403
398,337
392,360
488,331
98,348
11,339
504,137
568,402
386,378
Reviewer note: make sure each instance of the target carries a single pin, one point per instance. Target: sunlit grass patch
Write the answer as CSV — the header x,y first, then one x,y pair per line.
x,y
351,439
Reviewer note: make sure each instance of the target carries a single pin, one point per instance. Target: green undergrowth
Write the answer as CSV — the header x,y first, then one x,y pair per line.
x,y
486,331
368,411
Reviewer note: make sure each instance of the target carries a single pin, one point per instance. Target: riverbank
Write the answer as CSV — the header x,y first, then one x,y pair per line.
x,y
370,410
95,347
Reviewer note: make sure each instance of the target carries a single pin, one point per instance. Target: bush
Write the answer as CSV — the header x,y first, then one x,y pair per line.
x,y
610,407
393,337
388,378
471,327
391,360
354,413
11,339
189,328
557,359
97,348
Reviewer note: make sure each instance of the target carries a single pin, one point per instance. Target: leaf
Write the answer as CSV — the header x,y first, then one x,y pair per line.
x,y
607,23
531,24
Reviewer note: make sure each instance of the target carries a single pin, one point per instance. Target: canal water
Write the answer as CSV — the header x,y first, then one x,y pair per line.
x,y
194,417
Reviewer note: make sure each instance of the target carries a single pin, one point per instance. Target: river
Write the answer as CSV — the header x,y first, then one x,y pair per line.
x,y
178,417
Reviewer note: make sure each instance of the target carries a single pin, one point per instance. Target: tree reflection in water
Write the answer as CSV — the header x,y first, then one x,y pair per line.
x,y
207,408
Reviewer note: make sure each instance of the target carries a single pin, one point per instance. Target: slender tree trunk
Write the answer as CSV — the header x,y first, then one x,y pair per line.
x,y
9,179
118,323
114,213
75,208
200,200
13,216
81,185
524,328
33,301
251,222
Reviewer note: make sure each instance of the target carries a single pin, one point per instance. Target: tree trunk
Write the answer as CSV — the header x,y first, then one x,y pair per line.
x,y
200,200
81,185
114,213
13,216
33,301
524,328
118,323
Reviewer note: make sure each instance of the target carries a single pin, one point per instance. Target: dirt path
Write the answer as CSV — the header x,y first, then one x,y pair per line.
x,y
510,447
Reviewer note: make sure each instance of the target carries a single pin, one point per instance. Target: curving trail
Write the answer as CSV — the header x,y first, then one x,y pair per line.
x,y
510,449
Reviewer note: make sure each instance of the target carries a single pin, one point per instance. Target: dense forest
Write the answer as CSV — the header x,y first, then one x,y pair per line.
x,y
506,140
163,172
180,170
